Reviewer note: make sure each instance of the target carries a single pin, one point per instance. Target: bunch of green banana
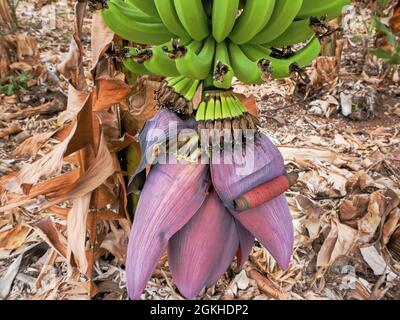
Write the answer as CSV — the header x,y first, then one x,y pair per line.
x,y
212,42
176,94
222,113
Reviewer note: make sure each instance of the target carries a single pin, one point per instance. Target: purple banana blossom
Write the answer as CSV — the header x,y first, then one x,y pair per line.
x,y
188,210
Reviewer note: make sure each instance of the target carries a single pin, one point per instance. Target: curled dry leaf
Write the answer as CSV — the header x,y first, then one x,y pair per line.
x,y
14,238
142,105
339,241
97,173
31,146
353,208
101,38
76,231
267,286
116,242
48,231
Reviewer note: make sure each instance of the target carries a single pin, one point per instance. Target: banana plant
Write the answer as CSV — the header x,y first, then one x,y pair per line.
x,y
206,213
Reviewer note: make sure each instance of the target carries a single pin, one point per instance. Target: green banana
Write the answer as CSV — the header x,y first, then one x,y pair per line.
x,y
197,66
145,33
235,112
210,112
168,15
134,67
201,111
280,68
284,13
317,8
218,110
239,104
133,13
245,69
255,16
298,32
226,113
174,80
182,86
192,90
147,6
160,64
224,13
306,55
193,17
222,78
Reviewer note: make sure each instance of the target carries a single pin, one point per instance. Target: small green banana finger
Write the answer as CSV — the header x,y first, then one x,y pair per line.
x,y
201,111
192,90
210,112
218,110
226,113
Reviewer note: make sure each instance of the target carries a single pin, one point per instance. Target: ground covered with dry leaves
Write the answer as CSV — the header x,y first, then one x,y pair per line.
x,y
341,133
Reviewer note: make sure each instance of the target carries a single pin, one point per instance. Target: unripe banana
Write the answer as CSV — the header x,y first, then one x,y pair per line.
x,y
255,16
284,13
317,8
193,17
147,6
201,111
223,71
192,90
224,13
144,33
298,32
306,55
279,68
197,66
210,111
226,113
134,13
168,15
160,64
245,69
134,67
218,110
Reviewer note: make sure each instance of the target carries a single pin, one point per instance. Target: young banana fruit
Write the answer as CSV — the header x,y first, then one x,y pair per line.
x,y
255,16
318,8
224,13
125,26
168,15
193,17
197,66
223,72
283,15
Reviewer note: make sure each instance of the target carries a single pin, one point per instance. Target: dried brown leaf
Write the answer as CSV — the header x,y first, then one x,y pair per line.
x,y
339,241
14,238
31,146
